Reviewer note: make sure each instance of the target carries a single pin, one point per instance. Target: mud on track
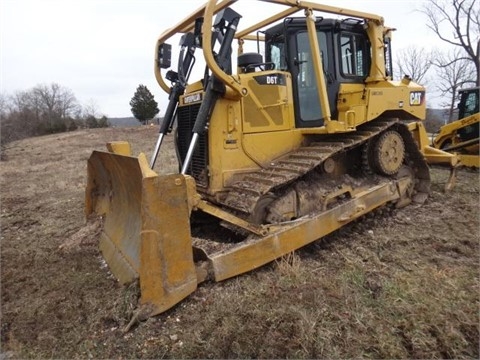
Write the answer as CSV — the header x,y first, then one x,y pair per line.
x,y
403,283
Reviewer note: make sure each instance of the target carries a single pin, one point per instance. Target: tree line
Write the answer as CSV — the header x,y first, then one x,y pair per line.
x,y
47,109
44,109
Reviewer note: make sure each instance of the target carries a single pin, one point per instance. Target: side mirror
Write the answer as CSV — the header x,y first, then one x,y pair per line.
x,y
164,56
198,32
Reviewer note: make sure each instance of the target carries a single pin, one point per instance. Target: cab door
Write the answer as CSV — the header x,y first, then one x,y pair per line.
x,y
345,53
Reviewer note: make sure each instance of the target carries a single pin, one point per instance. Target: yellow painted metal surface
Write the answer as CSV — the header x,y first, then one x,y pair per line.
x,y
230,218
470,160
372,101
211,7
114,192
285,239
267,107
375,30
167,271
146,232
431,154
120,148
185,25
318,69
156,245
447,137
449,131
241,143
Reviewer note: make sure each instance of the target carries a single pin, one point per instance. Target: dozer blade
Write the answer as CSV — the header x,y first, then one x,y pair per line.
x,y
146,232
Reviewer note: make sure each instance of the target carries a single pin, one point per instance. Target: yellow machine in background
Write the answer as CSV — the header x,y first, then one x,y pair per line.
x,y
291,146
462,136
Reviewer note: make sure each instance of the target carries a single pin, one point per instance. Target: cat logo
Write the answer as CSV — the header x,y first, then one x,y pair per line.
x,y
417,98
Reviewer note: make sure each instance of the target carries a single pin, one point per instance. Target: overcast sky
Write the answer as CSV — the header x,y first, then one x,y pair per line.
x,y
102,50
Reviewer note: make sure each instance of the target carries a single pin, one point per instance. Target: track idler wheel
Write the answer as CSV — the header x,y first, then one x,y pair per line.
x,y
260,212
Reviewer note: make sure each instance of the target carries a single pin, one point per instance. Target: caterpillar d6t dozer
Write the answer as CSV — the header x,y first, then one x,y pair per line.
x,y
291,146
462,136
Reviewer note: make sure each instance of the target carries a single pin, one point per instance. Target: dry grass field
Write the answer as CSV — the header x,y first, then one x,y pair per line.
x,y
400,284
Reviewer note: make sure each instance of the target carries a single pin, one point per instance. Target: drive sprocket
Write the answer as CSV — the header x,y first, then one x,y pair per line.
x,y
388,153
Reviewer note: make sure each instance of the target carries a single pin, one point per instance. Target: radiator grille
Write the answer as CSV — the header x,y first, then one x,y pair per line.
x,y
186,116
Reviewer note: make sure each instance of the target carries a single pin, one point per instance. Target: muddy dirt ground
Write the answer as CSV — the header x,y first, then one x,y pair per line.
x,y
401,284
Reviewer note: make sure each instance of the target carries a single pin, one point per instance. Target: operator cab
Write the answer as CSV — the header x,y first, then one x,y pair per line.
x,y
345,52
468,102
469,99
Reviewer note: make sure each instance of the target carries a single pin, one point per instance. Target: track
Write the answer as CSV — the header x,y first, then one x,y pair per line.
x,y
246,194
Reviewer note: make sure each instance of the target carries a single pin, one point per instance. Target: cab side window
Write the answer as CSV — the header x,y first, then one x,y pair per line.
x,y
277,55
353,55
471,104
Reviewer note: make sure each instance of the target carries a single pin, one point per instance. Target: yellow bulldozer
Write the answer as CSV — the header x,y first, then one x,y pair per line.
x,y
462,136
276,148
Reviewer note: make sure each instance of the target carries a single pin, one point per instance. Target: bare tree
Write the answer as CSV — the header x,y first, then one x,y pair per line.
x,y
452,75
90,108
3,106
57,103
3,124
41,110
67,103
457,22
413,62
25,114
